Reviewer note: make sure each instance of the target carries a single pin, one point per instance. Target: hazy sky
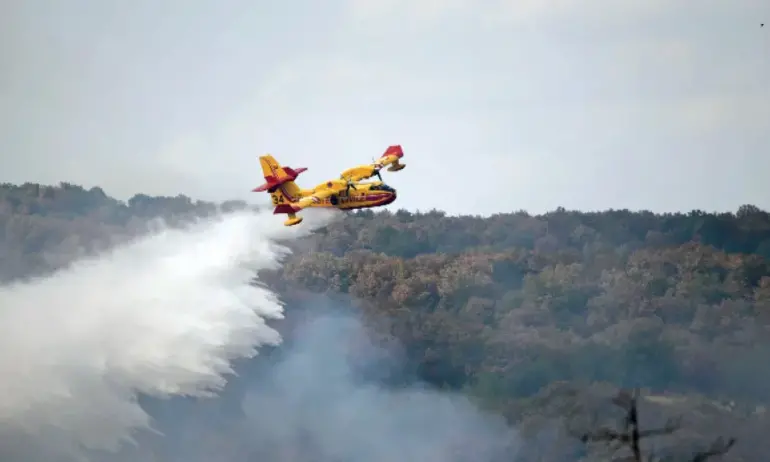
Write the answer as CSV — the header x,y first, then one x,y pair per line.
x,y
499,104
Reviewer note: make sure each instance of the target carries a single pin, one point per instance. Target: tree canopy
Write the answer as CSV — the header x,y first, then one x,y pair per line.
x,y
515,309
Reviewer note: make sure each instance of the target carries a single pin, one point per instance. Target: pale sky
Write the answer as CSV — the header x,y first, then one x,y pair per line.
x,y
499,104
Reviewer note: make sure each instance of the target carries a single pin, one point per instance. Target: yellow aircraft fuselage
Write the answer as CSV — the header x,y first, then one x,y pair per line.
x,y
365,195
358,196
344,194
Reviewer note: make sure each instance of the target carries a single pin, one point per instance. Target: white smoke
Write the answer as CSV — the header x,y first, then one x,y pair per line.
x,y
162,316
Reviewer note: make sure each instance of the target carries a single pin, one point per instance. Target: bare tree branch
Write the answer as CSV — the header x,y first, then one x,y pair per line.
x,y
718,448
631,435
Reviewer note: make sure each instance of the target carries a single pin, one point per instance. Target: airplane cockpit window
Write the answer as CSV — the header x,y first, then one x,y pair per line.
x,y
382,187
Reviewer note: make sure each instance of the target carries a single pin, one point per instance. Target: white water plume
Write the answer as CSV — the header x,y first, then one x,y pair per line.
x,y
161,316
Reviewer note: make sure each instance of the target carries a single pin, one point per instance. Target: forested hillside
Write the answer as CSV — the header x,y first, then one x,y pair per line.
x,y
43,227
535,317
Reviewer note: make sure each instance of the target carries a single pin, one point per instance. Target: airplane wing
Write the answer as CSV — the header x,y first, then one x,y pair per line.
x,y
390,157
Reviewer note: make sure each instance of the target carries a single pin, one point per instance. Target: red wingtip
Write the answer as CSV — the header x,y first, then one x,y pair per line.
x,y
394,150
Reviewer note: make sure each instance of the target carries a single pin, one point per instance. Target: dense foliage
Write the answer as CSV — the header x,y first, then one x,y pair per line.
x,y
515,310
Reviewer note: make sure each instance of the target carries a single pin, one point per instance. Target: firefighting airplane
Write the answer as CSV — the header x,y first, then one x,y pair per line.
x,y
289,198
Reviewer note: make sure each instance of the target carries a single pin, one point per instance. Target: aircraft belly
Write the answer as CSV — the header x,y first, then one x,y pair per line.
x,y
371,200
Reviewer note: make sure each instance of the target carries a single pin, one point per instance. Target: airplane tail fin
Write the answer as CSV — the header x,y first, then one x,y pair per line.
x,y
279,181
283,199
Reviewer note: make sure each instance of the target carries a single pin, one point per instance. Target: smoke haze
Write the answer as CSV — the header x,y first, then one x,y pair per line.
x,y
328,394
324,394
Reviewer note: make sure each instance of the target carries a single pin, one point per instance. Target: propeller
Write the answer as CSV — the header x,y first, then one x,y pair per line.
x,y
349,185
376,169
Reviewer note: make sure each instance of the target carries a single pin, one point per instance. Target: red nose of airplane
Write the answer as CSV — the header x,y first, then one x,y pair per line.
x,y
390,199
